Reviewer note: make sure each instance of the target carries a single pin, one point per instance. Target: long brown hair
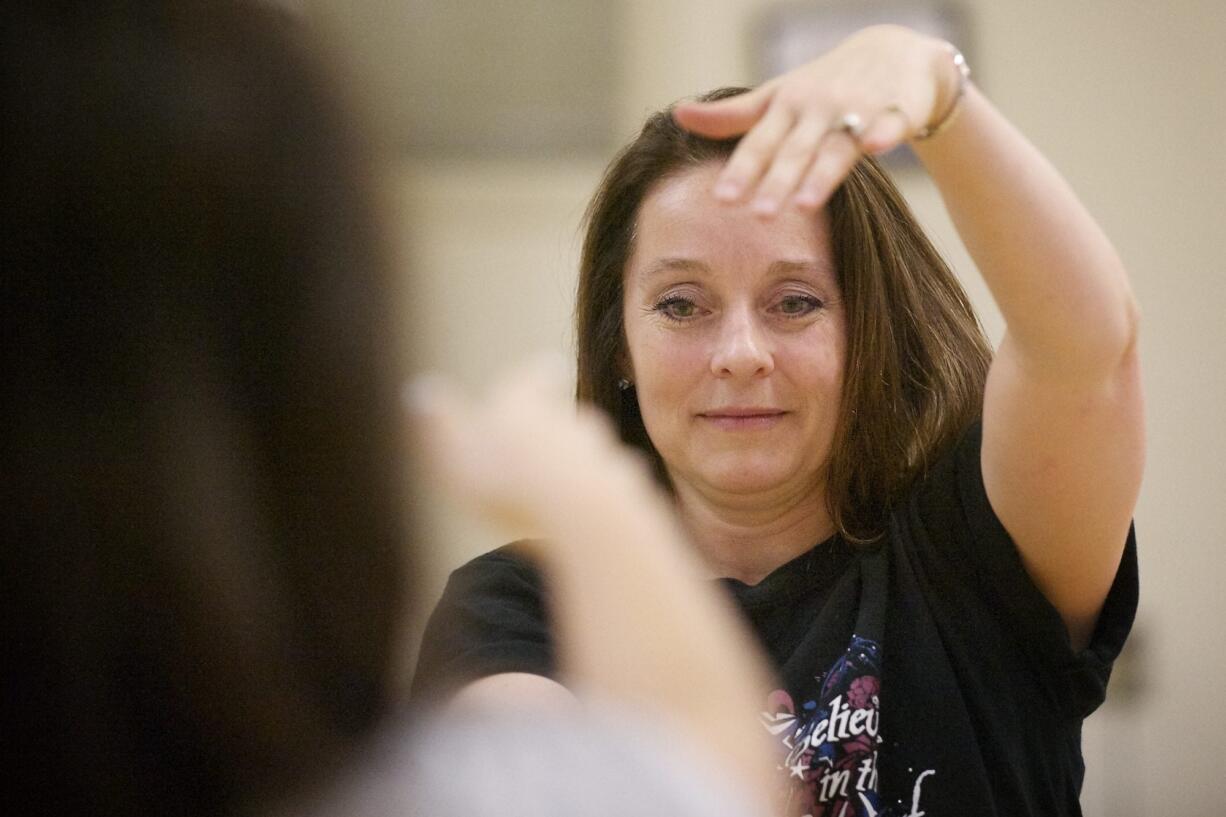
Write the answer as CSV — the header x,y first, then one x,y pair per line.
x,y
917,357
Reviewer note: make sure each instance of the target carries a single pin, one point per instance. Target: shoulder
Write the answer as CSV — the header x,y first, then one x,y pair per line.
x,y
949,490
509,567
492,618
513,557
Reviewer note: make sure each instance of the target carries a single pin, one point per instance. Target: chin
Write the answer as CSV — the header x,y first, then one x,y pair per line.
x,y
741,477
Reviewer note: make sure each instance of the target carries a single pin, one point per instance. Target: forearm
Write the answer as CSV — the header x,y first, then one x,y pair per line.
x,y
1057,279
637,622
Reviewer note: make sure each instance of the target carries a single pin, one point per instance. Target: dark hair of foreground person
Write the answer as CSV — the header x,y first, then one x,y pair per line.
x,y
203,568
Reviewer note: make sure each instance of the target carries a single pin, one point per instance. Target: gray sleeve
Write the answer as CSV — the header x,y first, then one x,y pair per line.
x,y
539,765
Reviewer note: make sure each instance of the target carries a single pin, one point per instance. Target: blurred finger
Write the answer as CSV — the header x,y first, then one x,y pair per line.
x,y
836,156
542,378
754,154
792,161
427,396
442,421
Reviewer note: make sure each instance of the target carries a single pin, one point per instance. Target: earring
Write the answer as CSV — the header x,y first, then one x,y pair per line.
x,y
624,384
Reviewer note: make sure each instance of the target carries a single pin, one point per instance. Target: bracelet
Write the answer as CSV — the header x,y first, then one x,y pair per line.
x,y
964,78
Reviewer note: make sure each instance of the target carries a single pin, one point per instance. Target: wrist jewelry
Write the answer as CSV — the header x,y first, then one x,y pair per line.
x,y
964,78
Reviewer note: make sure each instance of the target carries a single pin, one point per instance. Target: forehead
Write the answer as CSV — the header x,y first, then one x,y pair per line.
x,y
681,225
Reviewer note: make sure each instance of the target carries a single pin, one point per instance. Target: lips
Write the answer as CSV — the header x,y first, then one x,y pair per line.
x,y
743,419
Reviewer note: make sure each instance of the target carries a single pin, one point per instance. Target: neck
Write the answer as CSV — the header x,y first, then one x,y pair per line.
x,y
745,537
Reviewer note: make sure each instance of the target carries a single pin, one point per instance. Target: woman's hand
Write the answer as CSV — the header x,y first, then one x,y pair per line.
x,y
806,129
526,456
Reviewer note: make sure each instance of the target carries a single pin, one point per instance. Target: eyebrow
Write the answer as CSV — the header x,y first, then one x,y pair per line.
x,y
781,268
673,265
777,269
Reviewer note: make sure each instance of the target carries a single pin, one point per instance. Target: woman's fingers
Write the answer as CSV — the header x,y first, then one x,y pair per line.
x,y
887,76
542,381
443,422
888,130
483,454
754,154
837,148
724,118
836,156
791,163
518,452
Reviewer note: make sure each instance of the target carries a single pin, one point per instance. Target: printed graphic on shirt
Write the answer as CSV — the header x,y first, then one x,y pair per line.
x,y
831,743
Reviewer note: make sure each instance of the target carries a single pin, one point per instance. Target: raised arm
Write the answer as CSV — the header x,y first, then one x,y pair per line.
x,y
1063,438
1063,441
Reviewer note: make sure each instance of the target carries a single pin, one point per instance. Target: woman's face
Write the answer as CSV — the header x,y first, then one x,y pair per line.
x,y
736,337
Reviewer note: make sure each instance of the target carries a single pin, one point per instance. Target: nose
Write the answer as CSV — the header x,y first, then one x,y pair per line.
x,y
742,348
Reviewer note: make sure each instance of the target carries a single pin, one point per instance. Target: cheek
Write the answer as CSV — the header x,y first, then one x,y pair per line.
x,y
815,369
824,367
815,354
668,375
669,361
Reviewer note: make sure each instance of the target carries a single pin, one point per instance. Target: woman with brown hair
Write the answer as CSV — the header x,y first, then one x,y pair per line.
x,y
931,541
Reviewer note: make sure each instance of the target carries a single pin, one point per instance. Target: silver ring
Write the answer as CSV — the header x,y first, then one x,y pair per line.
x,y
851,124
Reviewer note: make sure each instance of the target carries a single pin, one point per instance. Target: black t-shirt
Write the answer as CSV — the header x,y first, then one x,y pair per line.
x,y
926,674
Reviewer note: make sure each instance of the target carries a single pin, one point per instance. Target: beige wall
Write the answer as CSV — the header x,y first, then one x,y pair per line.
x,y
1126,98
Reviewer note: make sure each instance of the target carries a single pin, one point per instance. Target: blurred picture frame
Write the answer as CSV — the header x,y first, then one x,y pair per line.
x,y
791,33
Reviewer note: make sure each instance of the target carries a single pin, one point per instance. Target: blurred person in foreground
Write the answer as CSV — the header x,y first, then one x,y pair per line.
x,y
931,541
205,577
